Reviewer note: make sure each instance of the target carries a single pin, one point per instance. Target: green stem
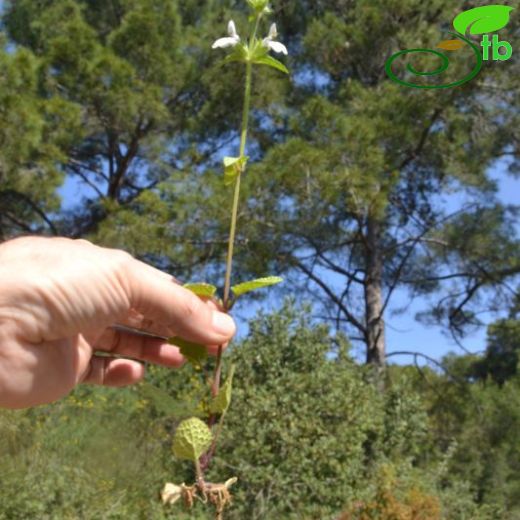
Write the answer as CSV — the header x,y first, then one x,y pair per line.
x,y
233,228
200,477
234,217
214,443
236,197
243,143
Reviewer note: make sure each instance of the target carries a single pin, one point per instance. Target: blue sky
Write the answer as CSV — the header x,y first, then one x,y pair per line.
x,y
403,332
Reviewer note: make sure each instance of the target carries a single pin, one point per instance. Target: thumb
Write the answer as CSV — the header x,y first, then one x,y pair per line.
x,y
166,302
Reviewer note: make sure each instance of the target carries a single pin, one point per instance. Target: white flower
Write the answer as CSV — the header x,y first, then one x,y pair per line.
x,y
229,41
273,45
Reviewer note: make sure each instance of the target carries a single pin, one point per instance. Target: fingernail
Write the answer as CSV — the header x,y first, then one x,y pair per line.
x,y
223,324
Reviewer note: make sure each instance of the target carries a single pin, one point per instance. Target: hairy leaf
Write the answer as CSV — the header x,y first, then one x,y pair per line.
x,y
253,285
192,438
205,290
272,62
221,402
193,352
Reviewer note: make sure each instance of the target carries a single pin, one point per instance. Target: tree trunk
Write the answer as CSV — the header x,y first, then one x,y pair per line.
x,y
375,335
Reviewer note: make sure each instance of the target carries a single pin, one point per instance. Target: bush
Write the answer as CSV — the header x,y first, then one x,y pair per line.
x,y
308,435
306,427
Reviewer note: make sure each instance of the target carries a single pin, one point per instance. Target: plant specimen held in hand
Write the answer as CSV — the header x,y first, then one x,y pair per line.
x,y
195,439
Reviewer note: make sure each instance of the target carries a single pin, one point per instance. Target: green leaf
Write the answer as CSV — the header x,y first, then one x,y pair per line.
x,y
253,285
272,62
166,404
259,6
233,167
221,402
485,19
194,353
205,290
240,54
192,439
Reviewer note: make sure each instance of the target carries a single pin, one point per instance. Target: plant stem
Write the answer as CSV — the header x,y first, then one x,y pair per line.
x,y
200,476
236,197
213,446
234,217
232,235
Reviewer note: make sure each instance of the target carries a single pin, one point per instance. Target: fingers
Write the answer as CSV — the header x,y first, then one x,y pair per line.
x,y
139,347
108,371
113,372
138,321
177,308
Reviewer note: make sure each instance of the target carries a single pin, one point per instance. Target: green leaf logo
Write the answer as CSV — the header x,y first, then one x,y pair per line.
x,y
481,20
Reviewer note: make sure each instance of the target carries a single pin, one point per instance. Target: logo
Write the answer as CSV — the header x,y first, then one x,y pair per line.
x,y
478,21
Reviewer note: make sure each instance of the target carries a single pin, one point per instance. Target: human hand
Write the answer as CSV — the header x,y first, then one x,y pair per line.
x,y
58,301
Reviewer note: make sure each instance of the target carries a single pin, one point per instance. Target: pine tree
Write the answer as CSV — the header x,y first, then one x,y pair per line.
x,y
351,192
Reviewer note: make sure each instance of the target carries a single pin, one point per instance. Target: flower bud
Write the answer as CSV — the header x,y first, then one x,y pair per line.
x,y
259,6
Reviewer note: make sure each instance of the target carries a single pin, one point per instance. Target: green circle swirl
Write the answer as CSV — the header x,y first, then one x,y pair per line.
x,y
439,70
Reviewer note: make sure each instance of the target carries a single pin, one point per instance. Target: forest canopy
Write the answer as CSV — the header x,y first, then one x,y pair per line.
x,y
358,189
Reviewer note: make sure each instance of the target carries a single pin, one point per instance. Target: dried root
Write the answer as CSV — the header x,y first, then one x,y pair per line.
x,y
216,494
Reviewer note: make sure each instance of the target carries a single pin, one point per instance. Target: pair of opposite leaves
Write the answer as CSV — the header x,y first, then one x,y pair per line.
x,y
193,436
480,20
195,353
